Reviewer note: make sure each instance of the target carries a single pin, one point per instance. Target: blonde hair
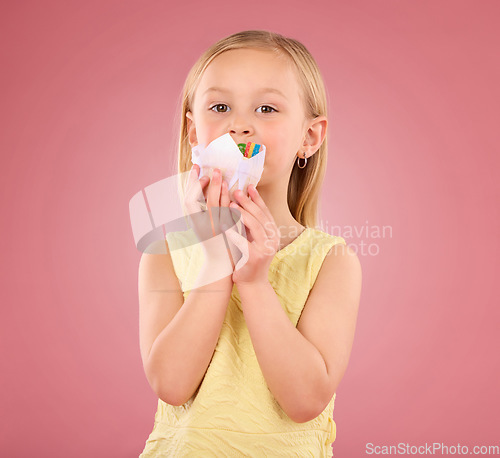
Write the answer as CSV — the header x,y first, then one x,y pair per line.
x,y
305,184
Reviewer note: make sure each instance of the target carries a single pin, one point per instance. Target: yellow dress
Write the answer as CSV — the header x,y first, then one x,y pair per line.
x,y
233,413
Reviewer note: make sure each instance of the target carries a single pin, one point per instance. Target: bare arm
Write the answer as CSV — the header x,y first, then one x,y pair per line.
x,y
303,366
178,337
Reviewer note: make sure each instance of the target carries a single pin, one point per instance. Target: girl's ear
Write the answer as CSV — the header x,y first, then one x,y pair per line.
x,y
315,134
191,129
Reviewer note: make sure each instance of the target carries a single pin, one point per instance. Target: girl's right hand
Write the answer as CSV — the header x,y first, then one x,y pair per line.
x,y
208,223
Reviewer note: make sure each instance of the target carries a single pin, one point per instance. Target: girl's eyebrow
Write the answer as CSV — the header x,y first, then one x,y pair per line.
x,y
261,91
215,89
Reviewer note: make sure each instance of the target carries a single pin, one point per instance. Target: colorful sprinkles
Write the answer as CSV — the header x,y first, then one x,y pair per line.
x,y
249,149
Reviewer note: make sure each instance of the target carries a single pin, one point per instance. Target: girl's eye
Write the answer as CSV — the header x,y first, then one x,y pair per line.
x,y
266,109
220,108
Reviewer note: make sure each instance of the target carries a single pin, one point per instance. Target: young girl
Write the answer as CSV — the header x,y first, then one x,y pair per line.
x,y
248,365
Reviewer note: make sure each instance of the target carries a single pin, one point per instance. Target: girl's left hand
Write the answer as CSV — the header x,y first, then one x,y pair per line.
x,y
263,238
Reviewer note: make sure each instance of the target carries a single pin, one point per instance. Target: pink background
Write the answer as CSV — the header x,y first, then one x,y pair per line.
x,y
89,102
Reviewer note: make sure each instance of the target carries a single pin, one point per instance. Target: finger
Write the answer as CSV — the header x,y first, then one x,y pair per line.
x,y
213,200
224,198
239,223
265,219
194,190
204,181
255,196
213,192
236,218
226,215
270,225
242,244
256,229
193,175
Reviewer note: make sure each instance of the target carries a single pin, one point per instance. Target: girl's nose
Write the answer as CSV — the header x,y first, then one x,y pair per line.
x,y
240,126
240,131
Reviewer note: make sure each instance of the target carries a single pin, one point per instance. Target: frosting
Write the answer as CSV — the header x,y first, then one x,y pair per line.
x,y
249,149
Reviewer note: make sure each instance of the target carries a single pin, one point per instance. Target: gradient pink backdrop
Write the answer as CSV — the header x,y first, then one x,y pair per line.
x,y
89,101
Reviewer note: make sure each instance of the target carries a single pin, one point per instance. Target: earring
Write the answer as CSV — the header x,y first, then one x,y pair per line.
x,y
305,163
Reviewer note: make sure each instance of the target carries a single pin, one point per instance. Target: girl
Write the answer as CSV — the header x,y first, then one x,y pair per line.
x,y
249,364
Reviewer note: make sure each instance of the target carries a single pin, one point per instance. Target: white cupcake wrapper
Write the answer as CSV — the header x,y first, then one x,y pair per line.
x,y
223,153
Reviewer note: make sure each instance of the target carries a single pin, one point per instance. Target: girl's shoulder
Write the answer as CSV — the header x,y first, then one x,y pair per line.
x,y
324,237
325,249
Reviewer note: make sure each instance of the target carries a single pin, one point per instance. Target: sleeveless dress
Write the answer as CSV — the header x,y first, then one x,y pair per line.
x,y
233,413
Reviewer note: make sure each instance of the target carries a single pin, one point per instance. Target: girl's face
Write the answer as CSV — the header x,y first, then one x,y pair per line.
x,y
255,96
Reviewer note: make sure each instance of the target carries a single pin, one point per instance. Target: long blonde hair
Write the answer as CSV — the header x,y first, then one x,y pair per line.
x,y
305,184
